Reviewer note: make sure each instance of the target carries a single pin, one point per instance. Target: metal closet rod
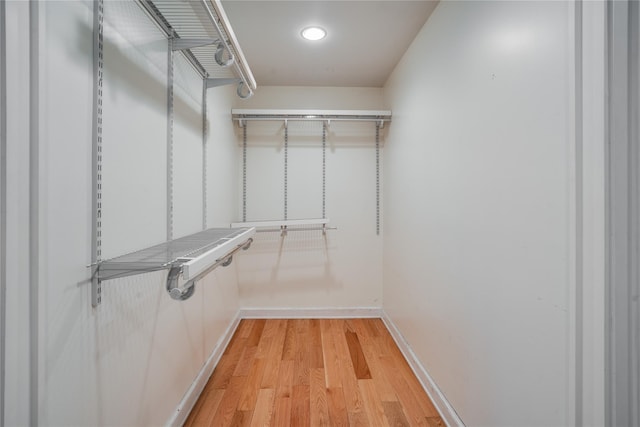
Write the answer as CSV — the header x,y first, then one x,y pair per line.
x,y
380,116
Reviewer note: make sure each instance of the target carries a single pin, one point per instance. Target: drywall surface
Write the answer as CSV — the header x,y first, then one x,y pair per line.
x,y
314,98
478,205
306,269
188,149
130,360
223,154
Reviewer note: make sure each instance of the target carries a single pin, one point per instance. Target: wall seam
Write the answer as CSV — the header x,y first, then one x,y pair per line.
x,y
579,217
3,204
634,226
608,384
34,177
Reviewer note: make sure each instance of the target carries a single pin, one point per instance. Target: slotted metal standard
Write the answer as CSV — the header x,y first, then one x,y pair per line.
x,y
96,208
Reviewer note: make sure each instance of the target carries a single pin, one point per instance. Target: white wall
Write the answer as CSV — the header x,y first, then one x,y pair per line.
x,y
187,149
479,198
130,360
18,269
304,269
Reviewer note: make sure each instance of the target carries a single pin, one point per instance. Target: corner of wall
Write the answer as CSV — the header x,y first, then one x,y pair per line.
x,y
438,399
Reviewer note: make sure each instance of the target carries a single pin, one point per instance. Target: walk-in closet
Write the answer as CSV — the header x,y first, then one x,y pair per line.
x,y
319,212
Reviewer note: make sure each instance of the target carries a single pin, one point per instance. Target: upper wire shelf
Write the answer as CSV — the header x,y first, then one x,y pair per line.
x,y
201,29
379,116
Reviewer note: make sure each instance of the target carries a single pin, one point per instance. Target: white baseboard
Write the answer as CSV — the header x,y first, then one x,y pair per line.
x,y
448,414
191,396
309,313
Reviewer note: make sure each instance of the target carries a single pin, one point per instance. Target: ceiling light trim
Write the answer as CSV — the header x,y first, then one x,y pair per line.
x,y
313,33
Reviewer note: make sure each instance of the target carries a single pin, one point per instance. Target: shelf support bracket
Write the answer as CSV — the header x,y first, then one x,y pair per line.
x,y
215,82
184,44
176,292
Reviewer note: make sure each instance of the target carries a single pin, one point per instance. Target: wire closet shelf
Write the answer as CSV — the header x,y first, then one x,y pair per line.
x,y
188,258
201,29
378,116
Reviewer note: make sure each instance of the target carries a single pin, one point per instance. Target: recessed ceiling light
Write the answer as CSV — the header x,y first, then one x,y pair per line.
x,y
313,33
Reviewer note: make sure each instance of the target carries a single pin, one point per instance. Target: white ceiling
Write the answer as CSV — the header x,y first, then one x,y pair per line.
x,y
366,39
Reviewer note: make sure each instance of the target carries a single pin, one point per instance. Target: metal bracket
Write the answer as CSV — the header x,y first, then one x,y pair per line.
x,y
184,44
244,91
220,53
176,292
215,82
186,291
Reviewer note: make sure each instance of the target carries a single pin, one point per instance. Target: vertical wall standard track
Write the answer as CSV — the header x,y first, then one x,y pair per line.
x,y
204,154
378,179
286,166
324,169
244,172
170,139
98,67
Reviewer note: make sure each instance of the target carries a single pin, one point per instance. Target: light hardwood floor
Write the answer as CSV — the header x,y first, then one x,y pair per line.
x,y
313,372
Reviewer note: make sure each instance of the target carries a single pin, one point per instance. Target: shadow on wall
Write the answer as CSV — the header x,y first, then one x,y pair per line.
x,y
145,341
296,262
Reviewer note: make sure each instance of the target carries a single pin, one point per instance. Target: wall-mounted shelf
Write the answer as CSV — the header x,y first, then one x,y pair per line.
x,y
201,29
284,226
188,258
379,116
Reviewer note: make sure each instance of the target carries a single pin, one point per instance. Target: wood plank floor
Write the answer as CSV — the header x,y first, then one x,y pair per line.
x,y
313,372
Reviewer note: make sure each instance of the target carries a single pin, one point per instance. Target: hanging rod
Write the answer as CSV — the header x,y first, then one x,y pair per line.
x,y
281,223
319,224
380,116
